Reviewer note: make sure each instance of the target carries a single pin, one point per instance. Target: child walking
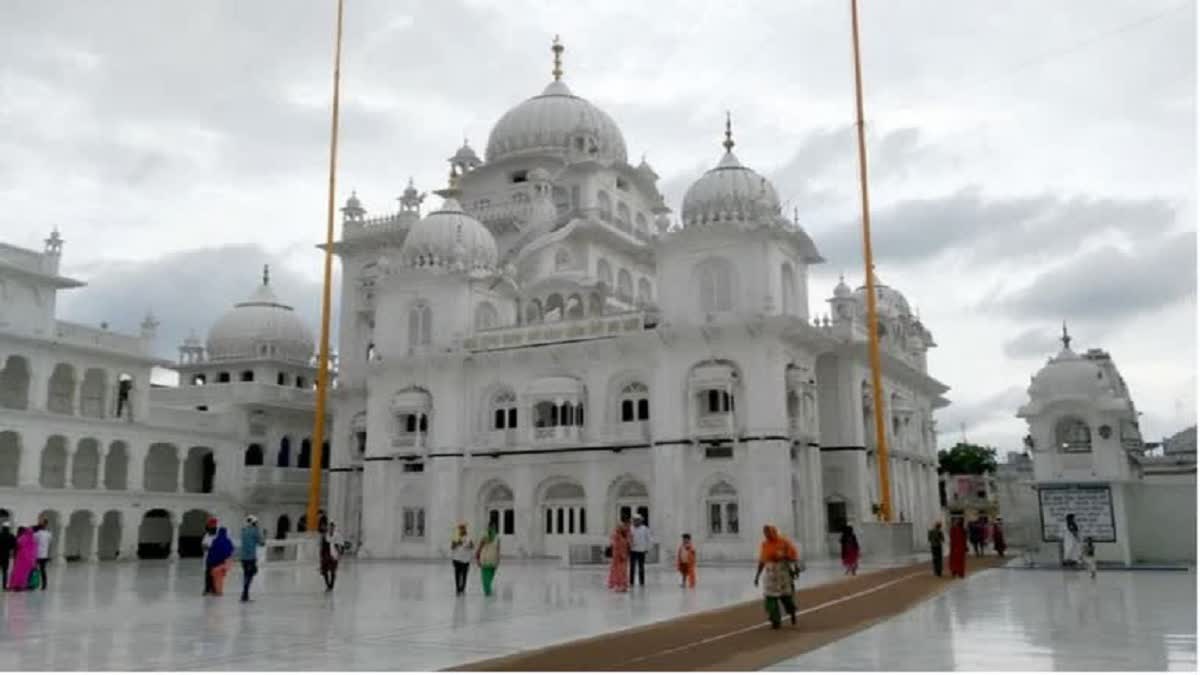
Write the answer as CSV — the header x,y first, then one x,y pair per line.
x,y
685,558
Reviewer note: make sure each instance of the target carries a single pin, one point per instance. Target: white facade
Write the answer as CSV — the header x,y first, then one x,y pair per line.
x,y
550,350
1084,435
115,478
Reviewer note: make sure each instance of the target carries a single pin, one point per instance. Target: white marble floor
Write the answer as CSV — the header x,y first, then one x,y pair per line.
x,y
382,616
1021,620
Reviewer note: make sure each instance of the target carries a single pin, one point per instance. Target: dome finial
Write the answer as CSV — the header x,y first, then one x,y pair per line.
x,y
1066,337
266,275
728,143
557,48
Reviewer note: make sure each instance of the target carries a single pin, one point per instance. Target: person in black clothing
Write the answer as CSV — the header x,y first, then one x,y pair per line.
x,y
8,544
936,539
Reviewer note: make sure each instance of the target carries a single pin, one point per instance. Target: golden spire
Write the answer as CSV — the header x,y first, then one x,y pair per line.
x,y
557,48
728,142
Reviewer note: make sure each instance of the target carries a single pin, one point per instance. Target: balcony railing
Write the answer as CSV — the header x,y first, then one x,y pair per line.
x,y
558,331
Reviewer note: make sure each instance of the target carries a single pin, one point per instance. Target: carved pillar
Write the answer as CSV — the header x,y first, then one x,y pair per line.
x,y
91,552
69,479
100,470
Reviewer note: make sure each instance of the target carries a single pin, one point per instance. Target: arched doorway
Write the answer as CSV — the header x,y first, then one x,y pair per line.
x,y
54,463
155,534
283,527
304,460
116,467
198,470
498,508
254,455
162,468
10,458
60,395
86,466
284,458
14,383
108,537
191,532
629,497
77,542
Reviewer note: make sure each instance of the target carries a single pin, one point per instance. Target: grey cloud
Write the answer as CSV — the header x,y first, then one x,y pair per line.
x,y
1000,230
1108,284
995,407
187,291
1032,343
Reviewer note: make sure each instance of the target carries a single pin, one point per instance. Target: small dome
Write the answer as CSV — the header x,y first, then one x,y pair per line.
x,y
730,193
450,238
353,202
841,290
465,156
1069,375
260,327
888,301
551,123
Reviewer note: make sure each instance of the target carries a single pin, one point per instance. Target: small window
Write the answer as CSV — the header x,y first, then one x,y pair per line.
x,y
198,380
622,184
510,521
223,377
414,467
413,523
281,379
360,439
299,382
519,176
719,401
247,376
718,452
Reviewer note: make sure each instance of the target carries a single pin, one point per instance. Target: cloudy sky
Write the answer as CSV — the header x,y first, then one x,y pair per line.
x,y
1032,161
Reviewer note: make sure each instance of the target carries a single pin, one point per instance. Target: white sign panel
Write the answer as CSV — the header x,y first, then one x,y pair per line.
x,y
1091,504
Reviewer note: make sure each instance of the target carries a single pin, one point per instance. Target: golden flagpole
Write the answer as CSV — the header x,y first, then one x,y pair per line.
x,y
318,445
881,449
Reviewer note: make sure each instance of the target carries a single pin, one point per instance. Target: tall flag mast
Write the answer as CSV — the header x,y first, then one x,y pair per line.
x,y
318,446
881,449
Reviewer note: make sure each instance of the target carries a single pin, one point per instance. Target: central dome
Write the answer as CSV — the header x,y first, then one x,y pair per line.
x,y
262,326
556,122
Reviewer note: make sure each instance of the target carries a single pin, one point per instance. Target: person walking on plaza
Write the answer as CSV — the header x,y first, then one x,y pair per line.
x,y
998,541
850,551
210,533
618,549
330,552
43,537
217,560
487,556
937,539
1089,556
24,560
685,559
8,546
958,548
1069,535
252,538
777,558
975,536
639,545
462,549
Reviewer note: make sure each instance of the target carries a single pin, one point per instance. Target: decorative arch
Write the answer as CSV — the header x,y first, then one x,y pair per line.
x,y
628,496
116,466
283,458
574,308
625,285
10,458
85,467
720,498
14,383
714,281
562,502
554,308
486,316
61,395
533,311
54,463
161,468
254,455
500,406
92,393
497,502
1072,434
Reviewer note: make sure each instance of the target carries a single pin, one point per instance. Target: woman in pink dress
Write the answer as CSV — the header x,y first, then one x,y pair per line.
x,y
24,560
618,569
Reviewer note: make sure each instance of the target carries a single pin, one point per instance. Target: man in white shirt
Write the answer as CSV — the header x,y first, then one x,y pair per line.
x,y
42,536
639,545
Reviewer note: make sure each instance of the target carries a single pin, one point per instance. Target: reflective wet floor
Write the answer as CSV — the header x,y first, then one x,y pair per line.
x,y
1019,620
404,616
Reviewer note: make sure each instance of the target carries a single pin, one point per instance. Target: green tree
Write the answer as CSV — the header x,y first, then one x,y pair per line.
x,y
967,459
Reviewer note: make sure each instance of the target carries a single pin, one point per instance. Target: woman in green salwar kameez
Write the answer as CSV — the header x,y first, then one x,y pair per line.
x,y
777,558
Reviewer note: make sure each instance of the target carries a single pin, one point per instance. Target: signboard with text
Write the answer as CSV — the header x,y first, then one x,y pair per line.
x,y
1091,504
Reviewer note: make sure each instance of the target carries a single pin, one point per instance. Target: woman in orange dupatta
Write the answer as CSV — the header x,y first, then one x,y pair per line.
x,y
777,557
618,569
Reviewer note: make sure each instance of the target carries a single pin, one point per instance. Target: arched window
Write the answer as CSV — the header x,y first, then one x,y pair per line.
x,y
14,383
545,414
1073,435
554,308
644,293
574,307
717,401
623,217
486,316
564,508
247,376
61,396
222,377
284,458
416,422
625,285
604,202
91,394
504,410
498,508
722,509
254,455
533,311
420,325
635,403
715,281
604,273
562,259
787,278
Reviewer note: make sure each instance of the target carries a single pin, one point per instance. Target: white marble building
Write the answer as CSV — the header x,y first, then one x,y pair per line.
x,y
549,349
1089,458
114,478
